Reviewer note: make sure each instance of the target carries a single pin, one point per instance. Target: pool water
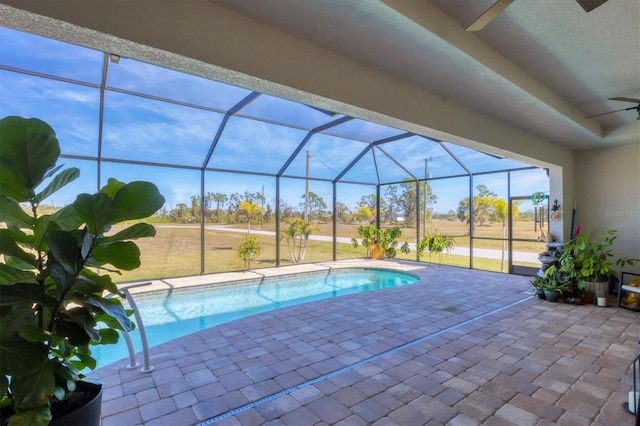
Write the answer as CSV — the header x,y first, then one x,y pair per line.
x,y
170,314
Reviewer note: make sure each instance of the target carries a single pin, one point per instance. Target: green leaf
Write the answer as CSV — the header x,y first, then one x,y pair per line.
x,y
33,390
19,357
67,219
95,210
63,261
78,326
10,248
33,333
29,149
136,200
59,181
101,282
112,187
121,254
26,293
110,307
139,230
39,416
109,336
10,276
13,215
86,360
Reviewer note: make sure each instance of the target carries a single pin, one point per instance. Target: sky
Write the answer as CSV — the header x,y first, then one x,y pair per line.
x,y
154,115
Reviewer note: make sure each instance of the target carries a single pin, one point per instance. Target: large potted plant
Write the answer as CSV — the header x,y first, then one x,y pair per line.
x,y
380,243
54,284
588,263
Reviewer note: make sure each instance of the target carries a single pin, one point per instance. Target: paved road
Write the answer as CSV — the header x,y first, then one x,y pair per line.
x,y
519,256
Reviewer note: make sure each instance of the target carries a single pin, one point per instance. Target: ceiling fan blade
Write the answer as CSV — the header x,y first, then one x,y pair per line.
x,y
488,15
623,99
589,5
611,112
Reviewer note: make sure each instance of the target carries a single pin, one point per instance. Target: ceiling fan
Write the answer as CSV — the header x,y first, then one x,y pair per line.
x,y
500,5
623,99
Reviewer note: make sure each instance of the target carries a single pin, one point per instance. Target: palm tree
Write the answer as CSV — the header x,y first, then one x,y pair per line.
x,y
251,209
297,236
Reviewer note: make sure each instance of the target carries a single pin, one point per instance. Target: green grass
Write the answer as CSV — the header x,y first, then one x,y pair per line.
x,y
175,251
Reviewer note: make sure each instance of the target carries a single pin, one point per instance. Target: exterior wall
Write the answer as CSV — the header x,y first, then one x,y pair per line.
x,y
608,196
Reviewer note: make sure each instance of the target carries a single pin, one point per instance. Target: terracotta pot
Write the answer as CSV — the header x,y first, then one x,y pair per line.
x,y
376,252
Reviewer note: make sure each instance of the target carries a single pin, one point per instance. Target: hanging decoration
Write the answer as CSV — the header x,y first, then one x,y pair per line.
x,y
538,198
556,215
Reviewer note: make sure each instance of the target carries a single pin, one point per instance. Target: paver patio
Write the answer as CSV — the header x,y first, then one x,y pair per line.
x,y
461,347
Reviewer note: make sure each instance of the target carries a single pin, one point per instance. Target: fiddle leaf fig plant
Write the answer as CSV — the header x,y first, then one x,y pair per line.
x,y
55,298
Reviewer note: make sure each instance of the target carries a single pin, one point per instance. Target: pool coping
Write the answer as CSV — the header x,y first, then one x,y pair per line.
x,y
257,274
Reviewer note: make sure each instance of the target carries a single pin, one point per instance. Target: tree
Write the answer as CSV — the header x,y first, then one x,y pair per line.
x,y
195,206
317,206
250,209
220,200
407,199
483,207
296,235
342,212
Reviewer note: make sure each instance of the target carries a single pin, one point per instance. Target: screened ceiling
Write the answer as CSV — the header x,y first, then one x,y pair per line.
x,y
137,113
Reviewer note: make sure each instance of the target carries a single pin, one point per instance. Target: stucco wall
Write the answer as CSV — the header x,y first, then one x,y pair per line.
x,y
607,192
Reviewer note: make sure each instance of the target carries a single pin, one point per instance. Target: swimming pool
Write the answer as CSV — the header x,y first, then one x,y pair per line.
x,y
170,314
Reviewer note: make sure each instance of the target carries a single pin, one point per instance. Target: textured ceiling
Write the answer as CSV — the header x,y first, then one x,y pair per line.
x,y
542,66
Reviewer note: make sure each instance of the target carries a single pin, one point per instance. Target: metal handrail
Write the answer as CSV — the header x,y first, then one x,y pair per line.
x,y
143,335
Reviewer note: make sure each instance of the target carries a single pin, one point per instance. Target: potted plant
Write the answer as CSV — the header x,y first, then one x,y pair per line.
x,y
248,250
537,284
588,263
380,243
435,243
54,299
552,284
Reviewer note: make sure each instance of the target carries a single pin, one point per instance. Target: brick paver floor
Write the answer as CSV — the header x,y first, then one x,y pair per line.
x,y
461,347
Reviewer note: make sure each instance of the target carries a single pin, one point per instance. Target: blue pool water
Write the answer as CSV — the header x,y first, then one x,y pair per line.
x,y
168,315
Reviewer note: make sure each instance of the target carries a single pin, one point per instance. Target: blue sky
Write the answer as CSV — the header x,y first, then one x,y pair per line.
x,y
180,132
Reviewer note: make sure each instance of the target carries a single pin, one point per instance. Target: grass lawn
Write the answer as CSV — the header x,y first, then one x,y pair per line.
x,y
175,250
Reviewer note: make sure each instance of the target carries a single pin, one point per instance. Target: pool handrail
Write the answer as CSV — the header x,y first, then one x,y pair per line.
x,y
143,335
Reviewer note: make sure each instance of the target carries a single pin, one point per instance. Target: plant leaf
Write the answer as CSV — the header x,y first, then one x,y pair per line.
x,y
29,149
109,336
95,210
13,215
19,357
108,306
136,200
63,260
67,219
121,254
8,247
33,390
59,181
139,230
103,282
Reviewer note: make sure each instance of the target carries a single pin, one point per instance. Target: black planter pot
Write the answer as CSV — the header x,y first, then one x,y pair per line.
x,y
540,294
552,295
87,415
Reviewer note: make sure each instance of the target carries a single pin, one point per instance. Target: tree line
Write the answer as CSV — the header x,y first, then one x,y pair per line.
x,y
399,204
